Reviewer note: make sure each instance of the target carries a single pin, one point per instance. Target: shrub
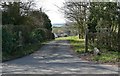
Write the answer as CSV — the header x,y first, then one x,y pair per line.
x,y
9,38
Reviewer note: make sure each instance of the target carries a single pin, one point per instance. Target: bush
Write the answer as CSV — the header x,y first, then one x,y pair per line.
x,y
37,35
7,42
11,41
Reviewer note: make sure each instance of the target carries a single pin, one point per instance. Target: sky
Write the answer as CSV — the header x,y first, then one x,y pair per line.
x,y
50,7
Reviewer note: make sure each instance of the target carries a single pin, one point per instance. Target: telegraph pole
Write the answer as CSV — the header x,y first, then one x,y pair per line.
x,y
86,30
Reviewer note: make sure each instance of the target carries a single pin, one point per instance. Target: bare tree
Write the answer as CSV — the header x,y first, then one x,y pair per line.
x,y
76,12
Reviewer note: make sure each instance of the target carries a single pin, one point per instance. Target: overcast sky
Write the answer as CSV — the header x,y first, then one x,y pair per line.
x,y
51,9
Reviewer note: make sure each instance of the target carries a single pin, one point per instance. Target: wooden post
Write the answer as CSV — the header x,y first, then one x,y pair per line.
x,y
86,40
0,43
86,30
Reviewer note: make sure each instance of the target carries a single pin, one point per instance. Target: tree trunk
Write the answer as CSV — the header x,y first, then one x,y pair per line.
x,y
119,37
79,36
79,32
86,40
119,33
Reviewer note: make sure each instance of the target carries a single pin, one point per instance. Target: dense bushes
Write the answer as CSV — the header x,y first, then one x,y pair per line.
x,y
24,32
105,21
11,39
40,35
13,42
7,40
107,40
104,16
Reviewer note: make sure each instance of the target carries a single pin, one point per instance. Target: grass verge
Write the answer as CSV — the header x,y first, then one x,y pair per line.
x,y
77,44
79,47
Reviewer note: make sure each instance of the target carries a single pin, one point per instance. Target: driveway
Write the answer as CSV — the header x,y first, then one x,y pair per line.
x,y
55,57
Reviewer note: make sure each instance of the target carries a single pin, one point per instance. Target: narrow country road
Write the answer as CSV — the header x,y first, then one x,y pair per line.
x,y
56,57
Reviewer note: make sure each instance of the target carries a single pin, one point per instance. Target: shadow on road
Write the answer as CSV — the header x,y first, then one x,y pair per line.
x,y
55,57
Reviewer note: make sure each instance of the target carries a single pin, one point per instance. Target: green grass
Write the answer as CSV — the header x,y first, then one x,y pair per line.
x,y
107,57
77,44
79,47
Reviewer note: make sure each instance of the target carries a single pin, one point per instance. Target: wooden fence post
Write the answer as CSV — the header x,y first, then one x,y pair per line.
x,y
86,40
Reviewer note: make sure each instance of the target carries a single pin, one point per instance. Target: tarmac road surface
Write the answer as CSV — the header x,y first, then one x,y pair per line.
x,y
55,57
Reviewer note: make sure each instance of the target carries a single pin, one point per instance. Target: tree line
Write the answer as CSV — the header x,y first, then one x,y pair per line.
x,y
23,26
99,19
